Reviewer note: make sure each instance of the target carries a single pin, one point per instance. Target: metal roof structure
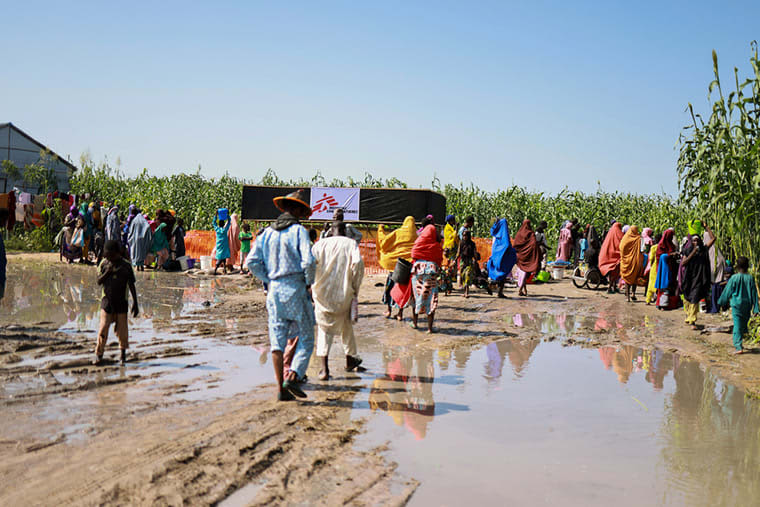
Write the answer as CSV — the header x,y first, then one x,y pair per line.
x,y
22,149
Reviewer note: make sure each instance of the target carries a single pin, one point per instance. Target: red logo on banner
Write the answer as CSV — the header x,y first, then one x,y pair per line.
x,y
324,203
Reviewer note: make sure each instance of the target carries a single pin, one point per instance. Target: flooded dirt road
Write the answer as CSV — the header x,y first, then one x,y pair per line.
x,y
569,397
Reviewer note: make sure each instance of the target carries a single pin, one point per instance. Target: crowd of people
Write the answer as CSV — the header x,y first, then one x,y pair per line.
x,y
690,274
153,242
314,283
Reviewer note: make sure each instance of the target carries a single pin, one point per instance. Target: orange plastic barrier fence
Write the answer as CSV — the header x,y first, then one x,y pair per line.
x,y
199,243
484,248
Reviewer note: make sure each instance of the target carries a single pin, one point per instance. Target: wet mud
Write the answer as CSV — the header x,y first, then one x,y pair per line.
x,y
568,396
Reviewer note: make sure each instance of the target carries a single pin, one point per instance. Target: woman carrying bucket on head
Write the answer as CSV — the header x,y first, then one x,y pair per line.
x,y
221,228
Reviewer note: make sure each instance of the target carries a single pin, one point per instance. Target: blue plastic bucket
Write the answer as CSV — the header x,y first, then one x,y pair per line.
x,y
224,213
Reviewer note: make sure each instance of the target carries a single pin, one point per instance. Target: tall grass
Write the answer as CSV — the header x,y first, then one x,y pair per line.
x,y
719,162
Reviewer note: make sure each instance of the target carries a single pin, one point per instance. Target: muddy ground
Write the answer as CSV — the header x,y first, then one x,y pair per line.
x,y
150,433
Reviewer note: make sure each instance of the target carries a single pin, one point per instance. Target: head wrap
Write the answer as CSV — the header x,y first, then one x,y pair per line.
x,y
427,247
397,244
609,255
503,255
696,228
528,253
666,246
646,236
631,257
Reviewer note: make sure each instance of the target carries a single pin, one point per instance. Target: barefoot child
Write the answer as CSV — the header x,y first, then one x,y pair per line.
x,y
245,245
741,294
222,243
468,260
116,276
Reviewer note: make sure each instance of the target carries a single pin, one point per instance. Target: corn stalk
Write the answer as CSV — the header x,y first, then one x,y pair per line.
x,y
719,163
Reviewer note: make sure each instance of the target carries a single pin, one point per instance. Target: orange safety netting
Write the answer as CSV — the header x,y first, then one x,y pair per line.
x,y
199,243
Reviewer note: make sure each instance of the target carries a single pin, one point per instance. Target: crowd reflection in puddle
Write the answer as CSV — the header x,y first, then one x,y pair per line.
x,y
405,391
70,298
563,323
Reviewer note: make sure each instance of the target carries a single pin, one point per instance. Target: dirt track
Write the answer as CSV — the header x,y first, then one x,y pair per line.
x,y
143,444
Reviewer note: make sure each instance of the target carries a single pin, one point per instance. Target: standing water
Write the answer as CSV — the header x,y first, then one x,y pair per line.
x,y
530,422
524,422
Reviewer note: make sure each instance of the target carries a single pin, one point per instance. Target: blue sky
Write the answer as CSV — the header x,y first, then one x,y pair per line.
x,y
540,94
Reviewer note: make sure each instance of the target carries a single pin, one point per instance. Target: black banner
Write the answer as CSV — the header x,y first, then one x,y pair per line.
x,y
376,205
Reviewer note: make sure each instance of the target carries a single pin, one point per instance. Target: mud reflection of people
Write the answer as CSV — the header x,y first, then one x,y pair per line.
x,y
405,391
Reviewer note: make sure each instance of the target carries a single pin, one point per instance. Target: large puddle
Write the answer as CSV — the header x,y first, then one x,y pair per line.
x,y
518,421
530,422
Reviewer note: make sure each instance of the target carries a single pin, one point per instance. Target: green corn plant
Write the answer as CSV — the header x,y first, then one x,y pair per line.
x,y
719,163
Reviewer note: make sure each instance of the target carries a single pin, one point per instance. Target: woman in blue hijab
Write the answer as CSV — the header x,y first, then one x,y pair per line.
x,y
503,255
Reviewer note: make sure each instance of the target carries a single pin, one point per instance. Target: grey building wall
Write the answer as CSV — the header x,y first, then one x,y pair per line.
x,y
22,150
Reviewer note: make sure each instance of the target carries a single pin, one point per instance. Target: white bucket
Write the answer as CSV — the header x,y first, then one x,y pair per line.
x,y
183,262
206,263
558,273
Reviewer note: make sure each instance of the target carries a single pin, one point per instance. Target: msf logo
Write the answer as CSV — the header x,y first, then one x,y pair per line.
x,y
324,204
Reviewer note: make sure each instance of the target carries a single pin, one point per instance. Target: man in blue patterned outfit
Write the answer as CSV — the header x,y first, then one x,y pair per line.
x,y
282,258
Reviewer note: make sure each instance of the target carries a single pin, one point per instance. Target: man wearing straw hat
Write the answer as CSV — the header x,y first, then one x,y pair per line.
x,y
282,258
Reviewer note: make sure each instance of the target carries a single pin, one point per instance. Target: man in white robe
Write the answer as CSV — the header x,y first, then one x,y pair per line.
x,y
339,274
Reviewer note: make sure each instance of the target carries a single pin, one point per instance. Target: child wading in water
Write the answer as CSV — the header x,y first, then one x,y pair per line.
x,y
245,245
116,276
222,243
741,294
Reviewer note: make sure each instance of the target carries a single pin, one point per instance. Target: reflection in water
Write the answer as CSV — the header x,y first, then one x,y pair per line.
x,y
711,439
626,360
689,438
405,392
519,353
571,323
69,297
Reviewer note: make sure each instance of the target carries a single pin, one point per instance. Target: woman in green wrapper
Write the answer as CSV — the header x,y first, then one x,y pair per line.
x,y
160,246
741,294
245,238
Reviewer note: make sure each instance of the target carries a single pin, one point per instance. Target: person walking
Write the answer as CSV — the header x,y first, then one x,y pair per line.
x,y
694,274
528,256
427,256
503,255
222,249
338,277
116,276
282,259
741,294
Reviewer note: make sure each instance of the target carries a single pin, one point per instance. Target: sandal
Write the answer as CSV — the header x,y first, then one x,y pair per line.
x,y
352,363
293,389
285,396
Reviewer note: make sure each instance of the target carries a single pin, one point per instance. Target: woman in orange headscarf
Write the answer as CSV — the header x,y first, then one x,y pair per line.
x,y
609,257
631,262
